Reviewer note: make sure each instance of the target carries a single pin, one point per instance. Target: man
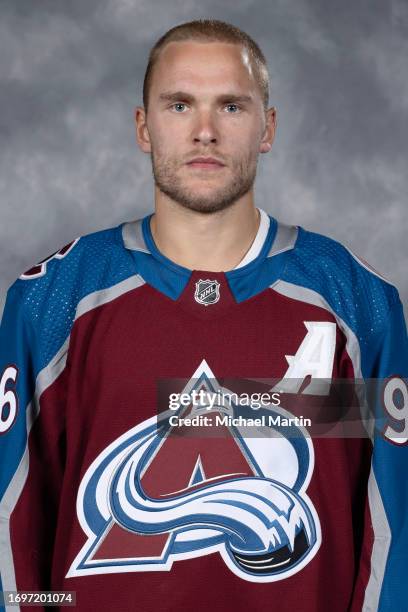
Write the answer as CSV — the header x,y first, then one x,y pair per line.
x,y
209,293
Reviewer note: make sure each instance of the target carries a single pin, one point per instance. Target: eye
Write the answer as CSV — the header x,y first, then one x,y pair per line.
x,y
177,104
233,105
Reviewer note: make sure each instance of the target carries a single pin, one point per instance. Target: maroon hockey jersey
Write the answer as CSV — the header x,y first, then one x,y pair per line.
x,y
107,492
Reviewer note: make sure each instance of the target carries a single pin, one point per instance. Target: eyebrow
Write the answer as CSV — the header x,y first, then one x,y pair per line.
x,y
173,96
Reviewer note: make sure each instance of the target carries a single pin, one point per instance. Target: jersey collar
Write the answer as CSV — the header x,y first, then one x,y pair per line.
x,y
261,265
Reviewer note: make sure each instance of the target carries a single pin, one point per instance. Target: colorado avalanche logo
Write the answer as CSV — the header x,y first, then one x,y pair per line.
x,y
150,500
207,291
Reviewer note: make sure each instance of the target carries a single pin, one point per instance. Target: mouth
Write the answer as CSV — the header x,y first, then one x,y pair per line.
x,y
205,163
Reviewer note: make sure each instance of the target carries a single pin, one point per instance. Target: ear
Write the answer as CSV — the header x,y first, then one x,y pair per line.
x,y
142,132
269,131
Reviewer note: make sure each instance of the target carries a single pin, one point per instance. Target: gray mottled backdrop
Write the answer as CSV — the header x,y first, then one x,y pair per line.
x,y
71,73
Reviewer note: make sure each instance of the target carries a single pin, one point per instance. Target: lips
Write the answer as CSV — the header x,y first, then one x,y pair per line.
x,y
205,162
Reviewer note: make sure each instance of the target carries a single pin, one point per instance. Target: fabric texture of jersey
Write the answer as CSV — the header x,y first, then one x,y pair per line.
x,y
95,499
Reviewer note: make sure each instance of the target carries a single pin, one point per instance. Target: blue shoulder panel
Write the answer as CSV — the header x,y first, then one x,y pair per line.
x,y
95,262
357,295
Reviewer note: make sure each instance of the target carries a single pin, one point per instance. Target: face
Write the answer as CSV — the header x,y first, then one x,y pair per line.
x,y
204,102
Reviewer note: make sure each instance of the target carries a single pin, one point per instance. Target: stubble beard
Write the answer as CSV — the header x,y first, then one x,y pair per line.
x,y
167,177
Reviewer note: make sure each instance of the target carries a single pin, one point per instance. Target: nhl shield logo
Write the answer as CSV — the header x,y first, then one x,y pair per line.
x,y
207,291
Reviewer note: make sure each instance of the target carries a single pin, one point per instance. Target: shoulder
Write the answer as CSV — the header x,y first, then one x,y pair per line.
x,y
89,262
50,292
350,286
87,250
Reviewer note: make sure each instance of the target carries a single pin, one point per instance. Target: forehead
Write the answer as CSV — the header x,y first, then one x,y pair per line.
x,y
195,64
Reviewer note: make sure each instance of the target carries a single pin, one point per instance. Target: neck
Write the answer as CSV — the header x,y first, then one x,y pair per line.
x,y
215,242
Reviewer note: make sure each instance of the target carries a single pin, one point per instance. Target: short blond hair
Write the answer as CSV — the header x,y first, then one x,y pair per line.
x,y
211,30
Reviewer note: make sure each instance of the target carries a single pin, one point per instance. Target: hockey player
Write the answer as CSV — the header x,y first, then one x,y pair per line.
x,y
207,292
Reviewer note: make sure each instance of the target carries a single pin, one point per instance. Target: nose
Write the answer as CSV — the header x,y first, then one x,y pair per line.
x,y
205,130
